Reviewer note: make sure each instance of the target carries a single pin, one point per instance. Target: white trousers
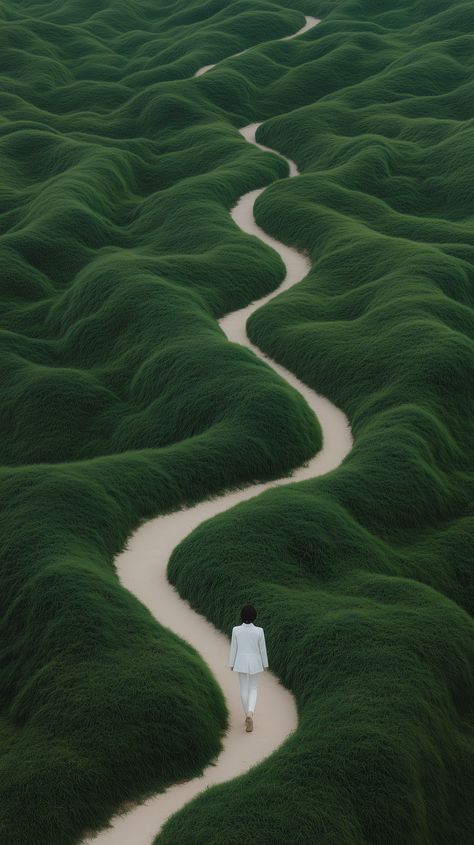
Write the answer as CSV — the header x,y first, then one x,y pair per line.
x,y
248,691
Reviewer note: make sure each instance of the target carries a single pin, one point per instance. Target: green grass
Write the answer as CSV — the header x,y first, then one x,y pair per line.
x,y
363,579
117,255
121,399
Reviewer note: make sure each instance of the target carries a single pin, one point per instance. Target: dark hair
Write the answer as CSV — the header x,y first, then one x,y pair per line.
x,y
248,613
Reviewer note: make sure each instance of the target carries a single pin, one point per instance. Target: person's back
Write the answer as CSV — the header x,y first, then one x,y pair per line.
x,y
249,653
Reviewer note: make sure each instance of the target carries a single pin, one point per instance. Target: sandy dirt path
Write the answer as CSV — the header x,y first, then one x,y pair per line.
x,y
141,569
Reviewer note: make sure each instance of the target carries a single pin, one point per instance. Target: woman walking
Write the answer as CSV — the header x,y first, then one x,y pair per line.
x,y
248,657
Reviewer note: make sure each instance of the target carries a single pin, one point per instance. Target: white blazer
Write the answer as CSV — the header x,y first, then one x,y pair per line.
x,y
248,652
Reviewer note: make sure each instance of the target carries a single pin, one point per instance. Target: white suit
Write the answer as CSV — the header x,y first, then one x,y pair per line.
x,y
248,657
248,651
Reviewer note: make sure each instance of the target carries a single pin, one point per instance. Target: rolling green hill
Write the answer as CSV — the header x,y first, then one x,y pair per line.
x,y
122,399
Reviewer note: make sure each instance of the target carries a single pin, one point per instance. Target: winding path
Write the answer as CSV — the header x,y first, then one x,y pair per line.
x,y
142,570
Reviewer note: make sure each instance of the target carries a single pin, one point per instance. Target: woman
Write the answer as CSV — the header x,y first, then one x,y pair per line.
x,y
248,657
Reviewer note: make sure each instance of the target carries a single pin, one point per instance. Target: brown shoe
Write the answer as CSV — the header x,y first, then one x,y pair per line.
x,y
248,724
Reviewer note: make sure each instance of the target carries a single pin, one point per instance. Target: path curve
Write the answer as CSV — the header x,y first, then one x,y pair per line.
x,y
141,569
309,23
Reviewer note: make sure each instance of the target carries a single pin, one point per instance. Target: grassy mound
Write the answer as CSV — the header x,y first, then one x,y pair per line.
x,y
121,397
363,578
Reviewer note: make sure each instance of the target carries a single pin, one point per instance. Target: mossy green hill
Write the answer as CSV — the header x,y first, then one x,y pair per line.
x,y
122,399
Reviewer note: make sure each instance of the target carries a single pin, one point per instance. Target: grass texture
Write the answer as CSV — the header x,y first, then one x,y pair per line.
x,y
363,579
122,399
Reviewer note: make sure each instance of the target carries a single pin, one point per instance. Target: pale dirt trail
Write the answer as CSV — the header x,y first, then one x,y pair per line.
x,y
141,569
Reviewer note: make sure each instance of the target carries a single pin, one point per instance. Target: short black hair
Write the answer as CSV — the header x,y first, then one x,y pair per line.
x,y
248,613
